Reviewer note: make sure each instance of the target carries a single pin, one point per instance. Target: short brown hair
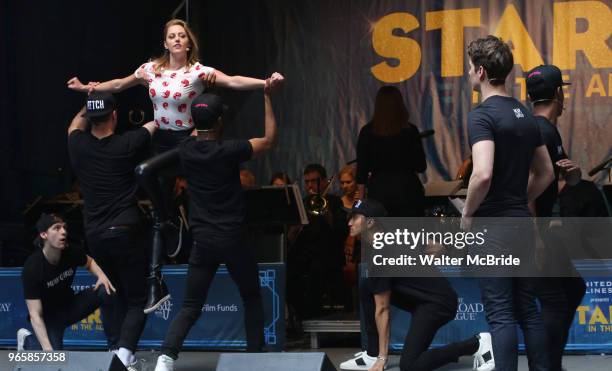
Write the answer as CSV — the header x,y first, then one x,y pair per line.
x,y
494,55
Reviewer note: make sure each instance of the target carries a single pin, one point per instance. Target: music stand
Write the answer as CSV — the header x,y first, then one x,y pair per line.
x,y
271,211
275,206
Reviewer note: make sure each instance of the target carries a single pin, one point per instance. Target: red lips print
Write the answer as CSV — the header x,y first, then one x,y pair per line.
x,y
182,108
185,83
165,120
166,94
165,105
165,83
152,92
177,95
192,94
178,123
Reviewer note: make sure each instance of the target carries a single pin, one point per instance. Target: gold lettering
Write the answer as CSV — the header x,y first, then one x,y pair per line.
x,y
511,28
598,317
596,86
451,24
582,314
592,42
523,87
402,48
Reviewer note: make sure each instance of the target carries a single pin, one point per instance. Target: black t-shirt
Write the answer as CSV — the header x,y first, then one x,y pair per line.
x,y
554,145
51,283
217,204
105,169
407,292
512,128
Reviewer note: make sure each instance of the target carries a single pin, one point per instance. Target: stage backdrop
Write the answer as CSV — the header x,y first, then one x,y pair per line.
x,y
590,331
337,54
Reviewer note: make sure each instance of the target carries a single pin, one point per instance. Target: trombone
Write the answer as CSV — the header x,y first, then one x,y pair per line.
x,y
318,204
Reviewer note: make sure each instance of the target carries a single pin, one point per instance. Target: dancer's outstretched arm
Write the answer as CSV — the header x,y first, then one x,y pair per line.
x,y
245,83
111,86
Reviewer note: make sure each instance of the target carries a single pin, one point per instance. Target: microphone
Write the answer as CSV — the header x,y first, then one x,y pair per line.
x,y
600,167
426,133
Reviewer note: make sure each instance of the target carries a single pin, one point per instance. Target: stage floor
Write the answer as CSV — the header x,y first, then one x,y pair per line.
x,y
207,361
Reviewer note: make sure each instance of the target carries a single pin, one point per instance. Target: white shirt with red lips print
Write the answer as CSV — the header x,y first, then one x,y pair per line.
x,y
171,93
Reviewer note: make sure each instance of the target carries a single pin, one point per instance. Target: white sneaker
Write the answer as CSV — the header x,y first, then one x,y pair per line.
x,y
132,363
22,334
362,361
164,363
483,358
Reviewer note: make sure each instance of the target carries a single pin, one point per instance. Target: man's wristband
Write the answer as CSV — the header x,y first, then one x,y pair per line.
x,y
381,358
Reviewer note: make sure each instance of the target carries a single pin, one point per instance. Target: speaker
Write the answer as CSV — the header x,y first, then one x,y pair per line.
x,y
79,361
275,362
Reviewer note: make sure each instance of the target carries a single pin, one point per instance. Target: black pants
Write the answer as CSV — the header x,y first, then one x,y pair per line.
x,y
559,298
120,252
203,265
427,318
82,304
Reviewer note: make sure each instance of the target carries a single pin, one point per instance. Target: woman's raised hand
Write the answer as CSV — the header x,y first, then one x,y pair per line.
x,y
75,84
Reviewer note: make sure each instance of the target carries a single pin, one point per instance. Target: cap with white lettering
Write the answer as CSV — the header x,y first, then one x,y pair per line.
x,y
369,208
99,104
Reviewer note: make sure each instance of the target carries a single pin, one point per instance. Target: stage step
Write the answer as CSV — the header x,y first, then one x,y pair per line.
x,y
314,327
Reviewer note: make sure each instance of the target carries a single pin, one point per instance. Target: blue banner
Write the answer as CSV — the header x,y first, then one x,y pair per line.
x,y
591,331
221,325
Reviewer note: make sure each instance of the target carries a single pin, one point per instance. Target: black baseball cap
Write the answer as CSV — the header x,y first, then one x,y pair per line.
x,y
205,110
45,221
369,208
99,104
543,80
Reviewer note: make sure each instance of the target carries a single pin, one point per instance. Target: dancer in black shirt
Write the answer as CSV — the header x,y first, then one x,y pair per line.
x,y
211,166
47,277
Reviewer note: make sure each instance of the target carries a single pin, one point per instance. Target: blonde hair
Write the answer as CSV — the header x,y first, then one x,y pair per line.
x,y
350,170
192,54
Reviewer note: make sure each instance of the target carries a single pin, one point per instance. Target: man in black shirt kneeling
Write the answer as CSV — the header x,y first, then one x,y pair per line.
x,y
47,278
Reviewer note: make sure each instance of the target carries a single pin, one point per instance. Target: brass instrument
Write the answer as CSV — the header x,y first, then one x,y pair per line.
x,y
318,204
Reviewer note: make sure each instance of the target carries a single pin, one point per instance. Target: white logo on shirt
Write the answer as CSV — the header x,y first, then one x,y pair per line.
x,y
65,274
559,150
518,113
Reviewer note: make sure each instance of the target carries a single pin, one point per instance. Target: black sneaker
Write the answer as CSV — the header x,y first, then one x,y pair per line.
x,y
158,294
